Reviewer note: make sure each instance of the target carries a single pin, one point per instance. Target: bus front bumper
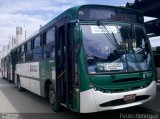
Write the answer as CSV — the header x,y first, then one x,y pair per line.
x,y
95,101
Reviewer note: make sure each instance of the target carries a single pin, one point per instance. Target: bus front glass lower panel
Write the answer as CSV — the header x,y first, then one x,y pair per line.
x,y
111,48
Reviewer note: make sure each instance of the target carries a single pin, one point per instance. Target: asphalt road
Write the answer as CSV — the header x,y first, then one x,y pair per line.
x,y
26,105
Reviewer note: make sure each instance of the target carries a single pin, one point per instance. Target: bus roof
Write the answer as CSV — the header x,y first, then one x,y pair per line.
x,y
73,14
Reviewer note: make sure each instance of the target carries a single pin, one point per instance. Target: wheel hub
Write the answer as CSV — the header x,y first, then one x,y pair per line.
x,y
52,97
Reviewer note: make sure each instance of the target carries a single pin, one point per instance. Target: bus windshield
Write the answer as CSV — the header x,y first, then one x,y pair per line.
x,y
113,48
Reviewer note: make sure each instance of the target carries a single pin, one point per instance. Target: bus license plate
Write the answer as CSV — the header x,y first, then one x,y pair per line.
x,y
129,98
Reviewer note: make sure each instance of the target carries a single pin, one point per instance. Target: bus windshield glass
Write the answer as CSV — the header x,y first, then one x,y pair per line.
x,y
116,48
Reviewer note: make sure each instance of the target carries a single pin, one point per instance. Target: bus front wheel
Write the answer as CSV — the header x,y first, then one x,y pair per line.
x,y
53,101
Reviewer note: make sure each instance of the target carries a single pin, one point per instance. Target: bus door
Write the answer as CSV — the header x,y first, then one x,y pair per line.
x,y
64,64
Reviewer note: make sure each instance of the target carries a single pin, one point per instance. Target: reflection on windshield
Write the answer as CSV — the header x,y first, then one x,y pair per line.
x,y
128,51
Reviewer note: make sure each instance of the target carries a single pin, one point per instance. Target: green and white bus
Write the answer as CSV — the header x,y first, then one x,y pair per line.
x,y
90,58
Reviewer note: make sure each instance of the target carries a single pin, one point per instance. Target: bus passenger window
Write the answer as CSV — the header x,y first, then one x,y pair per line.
x,y
19,54
37,42
29,56
37,51
49,51
49,44
50,36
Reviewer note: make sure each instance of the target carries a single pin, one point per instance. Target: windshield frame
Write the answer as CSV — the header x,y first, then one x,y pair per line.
x,y
116,23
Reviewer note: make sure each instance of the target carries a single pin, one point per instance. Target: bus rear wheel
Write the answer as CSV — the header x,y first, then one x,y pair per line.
x,y
53,101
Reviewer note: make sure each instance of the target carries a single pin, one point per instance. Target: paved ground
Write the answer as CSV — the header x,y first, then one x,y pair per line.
x,y
11,100
154,105
26,105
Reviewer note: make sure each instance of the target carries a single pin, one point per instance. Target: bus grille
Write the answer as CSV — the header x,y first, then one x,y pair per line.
x,y
127,80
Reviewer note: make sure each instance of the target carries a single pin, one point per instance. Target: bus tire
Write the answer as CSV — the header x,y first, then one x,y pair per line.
x,y
19,84
52,100
10,81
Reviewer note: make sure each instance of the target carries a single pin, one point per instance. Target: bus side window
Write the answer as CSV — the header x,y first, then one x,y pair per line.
x,y
19,54
37,50
22,54
16,55
29,54
49,44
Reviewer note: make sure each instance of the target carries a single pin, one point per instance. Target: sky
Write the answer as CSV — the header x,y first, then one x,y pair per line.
x,y
31,14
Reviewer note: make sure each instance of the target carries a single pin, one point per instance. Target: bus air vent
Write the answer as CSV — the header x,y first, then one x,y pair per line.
x,y
127,80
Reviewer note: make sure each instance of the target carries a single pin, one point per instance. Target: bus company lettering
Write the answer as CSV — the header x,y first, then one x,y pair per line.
x,y
33,68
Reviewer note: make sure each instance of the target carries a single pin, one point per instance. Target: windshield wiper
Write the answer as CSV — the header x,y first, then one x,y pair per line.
x,y
110,37
104,30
